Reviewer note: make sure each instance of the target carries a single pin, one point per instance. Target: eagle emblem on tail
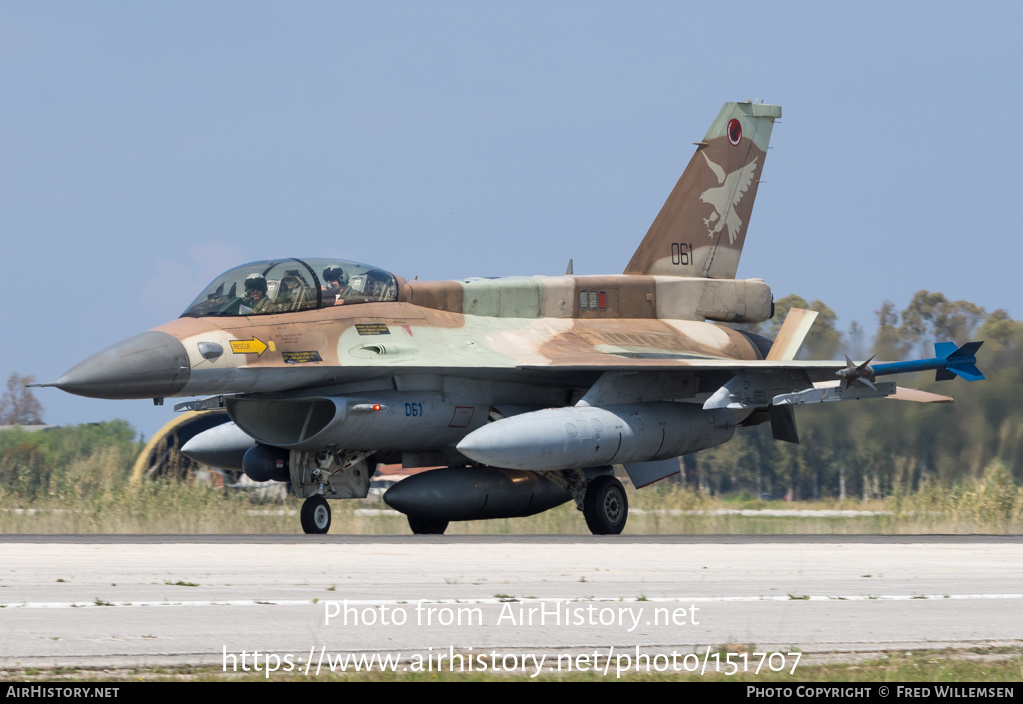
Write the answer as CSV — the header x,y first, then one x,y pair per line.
x,y
725,197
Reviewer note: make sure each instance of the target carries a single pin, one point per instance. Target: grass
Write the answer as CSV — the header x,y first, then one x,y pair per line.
x,y
170,507
94,496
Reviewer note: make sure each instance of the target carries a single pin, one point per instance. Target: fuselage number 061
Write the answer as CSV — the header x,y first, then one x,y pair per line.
x,y
413,410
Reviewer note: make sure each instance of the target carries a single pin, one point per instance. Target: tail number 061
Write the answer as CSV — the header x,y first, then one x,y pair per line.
x,y
682,253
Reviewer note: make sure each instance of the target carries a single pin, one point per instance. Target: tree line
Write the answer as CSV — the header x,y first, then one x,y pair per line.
x,y
881,447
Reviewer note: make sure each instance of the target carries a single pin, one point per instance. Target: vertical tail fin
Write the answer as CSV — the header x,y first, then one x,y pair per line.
x,y
701,228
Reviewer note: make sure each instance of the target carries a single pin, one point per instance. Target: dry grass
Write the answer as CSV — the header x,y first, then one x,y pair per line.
x,y
91,494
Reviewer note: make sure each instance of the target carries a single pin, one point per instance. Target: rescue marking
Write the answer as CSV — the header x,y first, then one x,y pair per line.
x,y
372,328
254,346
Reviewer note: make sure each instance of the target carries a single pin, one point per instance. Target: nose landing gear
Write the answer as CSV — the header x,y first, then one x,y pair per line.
x,y
316,515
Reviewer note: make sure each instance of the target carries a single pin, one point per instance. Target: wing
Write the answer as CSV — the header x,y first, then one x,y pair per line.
x,y
777,381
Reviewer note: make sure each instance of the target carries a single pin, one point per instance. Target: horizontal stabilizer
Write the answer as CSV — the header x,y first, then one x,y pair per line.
x,y
904,394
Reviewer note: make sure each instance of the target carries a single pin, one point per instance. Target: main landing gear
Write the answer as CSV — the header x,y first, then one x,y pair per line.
x,y
316,515
605,506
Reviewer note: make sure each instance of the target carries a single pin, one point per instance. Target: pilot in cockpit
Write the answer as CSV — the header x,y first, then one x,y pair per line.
x,y
336,281
256,299
377,286
295,293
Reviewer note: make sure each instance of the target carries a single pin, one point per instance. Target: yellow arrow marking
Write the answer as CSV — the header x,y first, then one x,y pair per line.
x,y
254,346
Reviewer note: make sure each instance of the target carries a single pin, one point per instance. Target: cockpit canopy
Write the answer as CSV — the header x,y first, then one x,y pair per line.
x,y
286,285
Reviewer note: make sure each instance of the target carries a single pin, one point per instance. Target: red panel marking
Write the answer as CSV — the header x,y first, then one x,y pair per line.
x,y
462,416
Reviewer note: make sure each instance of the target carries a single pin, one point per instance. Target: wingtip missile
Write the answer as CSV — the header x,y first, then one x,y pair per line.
x,y
950,361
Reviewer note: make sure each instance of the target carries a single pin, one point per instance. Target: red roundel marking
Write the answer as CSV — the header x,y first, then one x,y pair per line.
x,y
734,131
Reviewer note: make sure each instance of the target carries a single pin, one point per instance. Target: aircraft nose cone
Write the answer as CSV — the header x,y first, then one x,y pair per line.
x,y
151,365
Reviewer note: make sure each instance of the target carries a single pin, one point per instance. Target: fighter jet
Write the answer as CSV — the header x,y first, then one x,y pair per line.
x,y
524,391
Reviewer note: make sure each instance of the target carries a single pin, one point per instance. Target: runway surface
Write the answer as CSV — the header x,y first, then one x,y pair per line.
x,y
81,601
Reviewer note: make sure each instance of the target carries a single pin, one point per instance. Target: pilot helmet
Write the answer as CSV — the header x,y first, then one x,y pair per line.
x,y
336,274
254,282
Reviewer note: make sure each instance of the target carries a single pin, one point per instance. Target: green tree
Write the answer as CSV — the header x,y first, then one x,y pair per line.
x,y
1003,340
930,318
781,309
888,339
18,406
34,463
824,340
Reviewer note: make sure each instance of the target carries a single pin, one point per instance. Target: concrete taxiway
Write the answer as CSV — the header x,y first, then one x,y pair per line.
x,y
114,600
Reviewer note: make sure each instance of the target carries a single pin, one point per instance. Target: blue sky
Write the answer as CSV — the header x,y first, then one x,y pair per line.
x,y
146,147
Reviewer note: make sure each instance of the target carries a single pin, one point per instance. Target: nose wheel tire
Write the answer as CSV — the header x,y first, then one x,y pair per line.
x,y
316,515
605,506
423,526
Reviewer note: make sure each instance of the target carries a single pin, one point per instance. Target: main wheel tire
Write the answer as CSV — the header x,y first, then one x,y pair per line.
x,y
316,515
605,506
425,526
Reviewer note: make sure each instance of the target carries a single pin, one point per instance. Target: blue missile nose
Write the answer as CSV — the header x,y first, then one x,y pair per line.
x,y
151,365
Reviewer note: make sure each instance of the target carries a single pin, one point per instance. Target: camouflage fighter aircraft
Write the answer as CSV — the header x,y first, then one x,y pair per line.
x,y
524,390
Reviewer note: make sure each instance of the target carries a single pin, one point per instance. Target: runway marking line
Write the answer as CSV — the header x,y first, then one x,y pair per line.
x,y
394,602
